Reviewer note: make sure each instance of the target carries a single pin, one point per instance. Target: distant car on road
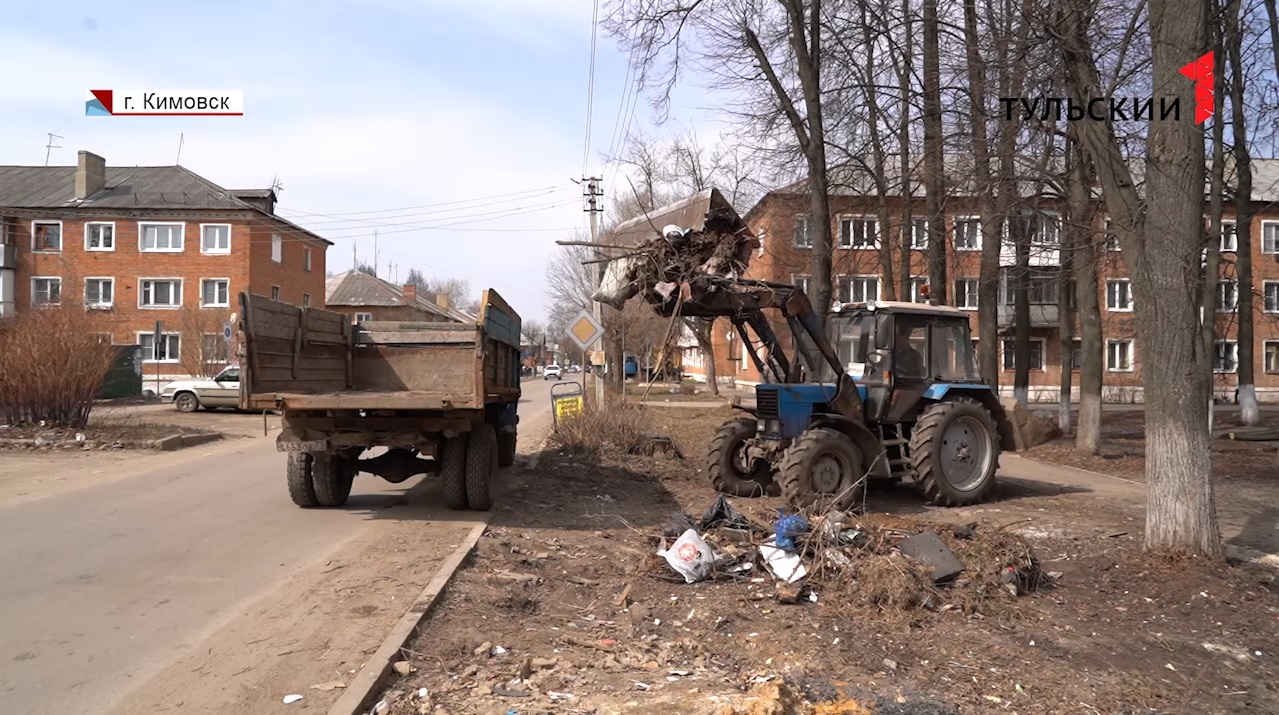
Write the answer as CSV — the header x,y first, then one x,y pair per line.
x,y
221,390
573,369
552,372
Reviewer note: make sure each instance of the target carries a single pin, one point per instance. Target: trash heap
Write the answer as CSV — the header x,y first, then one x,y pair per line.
x,y
660,266
889,563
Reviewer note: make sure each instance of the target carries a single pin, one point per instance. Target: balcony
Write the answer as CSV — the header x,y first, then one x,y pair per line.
x,y
9,256
1042,315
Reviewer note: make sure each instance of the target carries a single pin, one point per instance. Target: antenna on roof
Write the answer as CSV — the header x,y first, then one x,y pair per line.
x,y
50,146
276,186
181,138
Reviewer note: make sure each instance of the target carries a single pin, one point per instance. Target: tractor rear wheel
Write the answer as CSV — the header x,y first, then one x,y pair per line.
x,y
824,470
954,451
729,466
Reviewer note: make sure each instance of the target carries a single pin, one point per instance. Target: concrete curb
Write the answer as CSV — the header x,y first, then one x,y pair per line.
x,y
179,441
536,459
358,695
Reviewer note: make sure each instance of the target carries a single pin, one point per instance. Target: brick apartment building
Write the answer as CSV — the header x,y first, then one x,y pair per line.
x,y
780,221
365,297
138,245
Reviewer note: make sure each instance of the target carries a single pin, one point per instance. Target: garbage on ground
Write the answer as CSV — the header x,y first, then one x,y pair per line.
x,y
788,528
690,556
290,699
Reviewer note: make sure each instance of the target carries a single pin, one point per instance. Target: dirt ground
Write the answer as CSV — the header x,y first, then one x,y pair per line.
x,y
565,608
124,426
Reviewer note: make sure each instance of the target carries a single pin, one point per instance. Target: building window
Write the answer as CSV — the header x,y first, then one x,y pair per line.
x,y
306,259
215,293
1041,288
917,284
919,233
277,249
966,293
363,318
99,236
161,237
858,289
1229,238
213,348
1272,355
1118,356
1227,296
160,293
1226,356
1112,238
46,291
803,231
1076,354
1270,292
46,236
215,238
306,300
275,292
1119,296
1036,354
1044,229
802,283
168,350
858,232
1270,236
967,234
99,292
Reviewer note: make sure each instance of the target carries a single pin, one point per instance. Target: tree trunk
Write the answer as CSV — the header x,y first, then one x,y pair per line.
x,y
1161,239
934,160
904,80
1212,236
1249,415
1075,231
1088,307
704,332
988,277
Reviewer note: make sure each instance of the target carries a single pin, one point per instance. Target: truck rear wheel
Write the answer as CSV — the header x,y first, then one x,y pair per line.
x,y
954,451
453,471
301,488
332,477
823,469
481,463
506,442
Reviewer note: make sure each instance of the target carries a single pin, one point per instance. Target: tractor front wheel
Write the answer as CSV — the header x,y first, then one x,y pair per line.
x,y
954,451
823,469
729,464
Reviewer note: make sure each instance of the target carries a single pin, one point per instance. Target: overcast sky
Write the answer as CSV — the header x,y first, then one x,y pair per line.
x,y
372,114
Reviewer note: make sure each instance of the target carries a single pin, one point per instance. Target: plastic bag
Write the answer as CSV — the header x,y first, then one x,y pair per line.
x,y
691,556
788,527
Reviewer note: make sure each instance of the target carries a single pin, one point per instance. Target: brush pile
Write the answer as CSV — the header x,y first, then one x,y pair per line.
x,y
660,267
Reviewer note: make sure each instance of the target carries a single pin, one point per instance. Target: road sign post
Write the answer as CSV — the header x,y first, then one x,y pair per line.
x,y
584,330
155,353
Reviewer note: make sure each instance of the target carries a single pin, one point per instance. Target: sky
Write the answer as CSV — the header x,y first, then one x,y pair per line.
x,y
452,128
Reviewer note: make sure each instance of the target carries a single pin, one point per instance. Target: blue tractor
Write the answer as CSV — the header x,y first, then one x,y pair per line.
x,y
888,391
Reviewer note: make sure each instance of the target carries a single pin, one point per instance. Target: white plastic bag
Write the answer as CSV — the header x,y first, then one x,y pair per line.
x,y
691,556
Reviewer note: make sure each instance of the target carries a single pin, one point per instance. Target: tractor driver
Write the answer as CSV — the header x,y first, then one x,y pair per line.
x,y
906,359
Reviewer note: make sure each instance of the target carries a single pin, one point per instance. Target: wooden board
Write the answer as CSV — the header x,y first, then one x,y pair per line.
x,y
372,400
437,369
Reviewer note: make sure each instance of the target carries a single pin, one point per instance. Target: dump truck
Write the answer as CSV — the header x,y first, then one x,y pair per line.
x,y
390,398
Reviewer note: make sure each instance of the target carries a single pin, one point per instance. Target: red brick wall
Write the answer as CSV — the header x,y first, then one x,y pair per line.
x,y
289,274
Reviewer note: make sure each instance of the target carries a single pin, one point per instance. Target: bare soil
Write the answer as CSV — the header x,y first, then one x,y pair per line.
x,y
565,608
97,435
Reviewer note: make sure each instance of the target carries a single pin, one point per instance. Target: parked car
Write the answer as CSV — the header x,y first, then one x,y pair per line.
x,y
552,372
221,390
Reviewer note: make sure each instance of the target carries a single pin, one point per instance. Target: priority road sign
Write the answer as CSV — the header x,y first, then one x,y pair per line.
x,y
584,330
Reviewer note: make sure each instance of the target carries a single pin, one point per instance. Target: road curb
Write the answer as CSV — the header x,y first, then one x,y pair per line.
x,y
179,441
358,695
536,459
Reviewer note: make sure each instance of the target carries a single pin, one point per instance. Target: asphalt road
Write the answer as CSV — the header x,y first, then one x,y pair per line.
x,y
108,583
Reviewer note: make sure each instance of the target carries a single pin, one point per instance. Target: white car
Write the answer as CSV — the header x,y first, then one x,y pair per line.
x,y
221,390
552,372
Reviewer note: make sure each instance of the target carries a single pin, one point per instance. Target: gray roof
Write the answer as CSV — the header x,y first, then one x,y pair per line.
x,y
139,187
356,288
253,193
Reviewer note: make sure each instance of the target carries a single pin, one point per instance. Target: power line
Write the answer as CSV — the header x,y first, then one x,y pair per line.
x,y
590,85
388,220
428,206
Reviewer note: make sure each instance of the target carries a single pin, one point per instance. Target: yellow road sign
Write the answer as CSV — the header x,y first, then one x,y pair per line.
x,y
584,330
568,406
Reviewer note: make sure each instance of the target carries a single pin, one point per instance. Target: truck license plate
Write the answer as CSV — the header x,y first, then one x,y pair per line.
x,y
315,445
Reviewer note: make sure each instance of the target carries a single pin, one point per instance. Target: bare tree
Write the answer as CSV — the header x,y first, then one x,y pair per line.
x,y
418,280
1250,414
988,280
203,350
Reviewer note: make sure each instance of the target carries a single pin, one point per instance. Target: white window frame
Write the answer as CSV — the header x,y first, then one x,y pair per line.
x,y
917,285
1266,286
306,300
142,293
1112,238
955,230
797,278
803,231
1265,365
277,249
850,280
1274,235
166,335
975,294
182,236
227,304
1132,355
1073,366
88,225
1234,304
306,258
275,292
1043,219
1004,353
222,353
100,305
1118,309
917,242
216,251
849,220
62,237
361,318
46,278
1233,356
1233,246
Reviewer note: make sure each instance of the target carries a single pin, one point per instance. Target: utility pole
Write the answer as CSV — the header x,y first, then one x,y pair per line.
x,y
375,253
593,194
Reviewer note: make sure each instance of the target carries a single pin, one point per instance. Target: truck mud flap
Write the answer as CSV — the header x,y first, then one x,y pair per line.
x,y
315,445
